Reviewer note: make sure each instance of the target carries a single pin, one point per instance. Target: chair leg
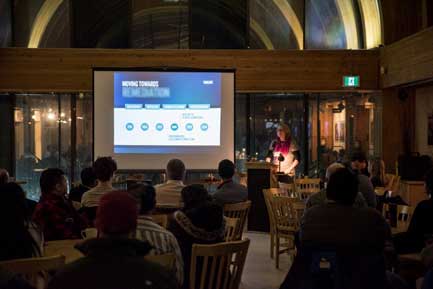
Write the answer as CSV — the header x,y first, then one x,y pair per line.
x,y
277,252
272,244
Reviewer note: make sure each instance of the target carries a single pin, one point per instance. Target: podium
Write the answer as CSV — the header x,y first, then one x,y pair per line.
x,y
260,175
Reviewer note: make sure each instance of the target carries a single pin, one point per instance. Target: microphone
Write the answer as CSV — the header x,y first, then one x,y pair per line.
x,y
281,158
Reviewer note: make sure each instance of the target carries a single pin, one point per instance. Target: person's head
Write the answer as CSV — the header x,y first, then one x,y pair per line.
x,y
332,168
428,180
145,195
226,169
53,181
283,131
193,196
104,168
175,170
4,176
358,161
342,187
88,177
117,215
16,242
207,216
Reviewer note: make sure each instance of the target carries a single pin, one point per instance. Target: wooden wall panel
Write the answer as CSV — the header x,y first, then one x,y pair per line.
x,y
257,70
408,60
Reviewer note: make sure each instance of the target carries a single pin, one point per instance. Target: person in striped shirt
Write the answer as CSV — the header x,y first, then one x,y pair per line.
x,y
163,241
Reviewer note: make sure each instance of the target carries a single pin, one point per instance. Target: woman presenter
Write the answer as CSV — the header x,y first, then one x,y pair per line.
x,y
284,153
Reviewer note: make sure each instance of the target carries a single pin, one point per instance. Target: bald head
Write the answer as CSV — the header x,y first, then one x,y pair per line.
x,y
4,176
332,169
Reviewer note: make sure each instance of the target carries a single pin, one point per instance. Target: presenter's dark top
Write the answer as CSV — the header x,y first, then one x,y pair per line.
x,y
288,149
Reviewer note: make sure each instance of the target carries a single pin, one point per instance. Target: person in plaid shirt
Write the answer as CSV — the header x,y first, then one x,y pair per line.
x,y
54,214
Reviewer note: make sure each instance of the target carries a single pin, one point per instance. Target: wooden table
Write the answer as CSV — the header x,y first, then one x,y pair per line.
x,y
65,248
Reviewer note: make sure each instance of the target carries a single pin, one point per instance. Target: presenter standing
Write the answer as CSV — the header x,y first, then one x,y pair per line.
x,y
284,153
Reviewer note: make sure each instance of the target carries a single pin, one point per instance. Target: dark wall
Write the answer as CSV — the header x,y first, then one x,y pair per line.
x,y
218,24
5,23
7,143
100,23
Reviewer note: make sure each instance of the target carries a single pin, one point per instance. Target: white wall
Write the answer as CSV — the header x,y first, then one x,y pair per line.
x,y
424,108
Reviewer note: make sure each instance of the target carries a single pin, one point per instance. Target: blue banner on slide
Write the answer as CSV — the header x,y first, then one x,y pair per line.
x,y
170,88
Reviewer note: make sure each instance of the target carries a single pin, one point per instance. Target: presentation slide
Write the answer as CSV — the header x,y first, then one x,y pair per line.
x,y
156,112
144,118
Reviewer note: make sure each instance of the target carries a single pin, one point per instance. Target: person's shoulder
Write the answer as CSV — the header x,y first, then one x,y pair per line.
x,y
425,204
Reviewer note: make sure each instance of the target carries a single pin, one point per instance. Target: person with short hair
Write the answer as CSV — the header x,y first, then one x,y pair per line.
x,y
104,169
320,198
162,241
54,214
4,176
115,259
88,181
169,192
358,165
228,191
199,222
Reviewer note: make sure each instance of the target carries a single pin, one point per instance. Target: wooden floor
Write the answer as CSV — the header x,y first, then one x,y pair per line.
x,y
260,271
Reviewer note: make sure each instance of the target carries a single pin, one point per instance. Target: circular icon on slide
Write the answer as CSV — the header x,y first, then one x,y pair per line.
x,y
159,126
174,126
189,126
129,126
144,126
204,126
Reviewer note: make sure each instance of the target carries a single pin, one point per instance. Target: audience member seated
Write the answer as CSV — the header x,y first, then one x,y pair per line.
x,y
200,222
353,240
14,187
115,259
320,197
21,238
12,281
162,240
4,176
168,193
104,169
378,176
228,191
88,181
421,226
358,165
54,214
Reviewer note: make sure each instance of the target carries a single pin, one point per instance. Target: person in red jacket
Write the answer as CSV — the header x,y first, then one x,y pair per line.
x,y
54,214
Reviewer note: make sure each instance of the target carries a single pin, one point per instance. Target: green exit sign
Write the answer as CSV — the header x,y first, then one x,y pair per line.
x,y
350,81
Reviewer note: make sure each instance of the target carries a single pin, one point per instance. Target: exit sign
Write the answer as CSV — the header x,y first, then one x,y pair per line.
x,y
351,81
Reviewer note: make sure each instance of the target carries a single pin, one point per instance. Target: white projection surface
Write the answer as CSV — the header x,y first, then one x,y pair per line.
x,y
145,118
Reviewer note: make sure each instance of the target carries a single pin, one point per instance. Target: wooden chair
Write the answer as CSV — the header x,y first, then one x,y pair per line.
x,y
63,247
404,216
390,184
238,211
396,184
218,266
268,194
286,225
230,229
161,220
34,270
167,261
288,190
306,187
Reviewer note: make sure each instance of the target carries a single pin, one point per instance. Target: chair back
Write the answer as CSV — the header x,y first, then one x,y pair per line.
x,y
167,261
161,220
267,195
284,215
218,266
306,187
63,247
230,229
390,184
34,270
396,184
287,189
238,211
